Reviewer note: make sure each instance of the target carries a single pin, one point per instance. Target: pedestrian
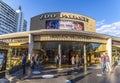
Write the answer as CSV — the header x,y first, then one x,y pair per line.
x,y
24,63
107,63
33,62
82,60
56,60
77,60
73,61
103,63
37,61
118,59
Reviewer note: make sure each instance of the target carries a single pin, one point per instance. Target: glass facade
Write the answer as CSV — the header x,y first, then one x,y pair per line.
x,y
115,54
49,50
7,19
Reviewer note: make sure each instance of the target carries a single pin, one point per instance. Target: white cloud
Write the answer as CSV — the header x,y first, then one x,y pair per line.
x,y
99,23
112,29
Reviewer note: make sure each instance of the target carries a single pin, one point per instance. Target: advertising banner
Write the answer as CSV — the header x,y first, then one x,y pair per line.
x,y
64,24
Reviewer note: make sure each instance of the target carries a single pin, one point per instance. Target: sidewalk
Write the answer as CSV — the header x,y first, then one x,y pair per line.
x,y
67,75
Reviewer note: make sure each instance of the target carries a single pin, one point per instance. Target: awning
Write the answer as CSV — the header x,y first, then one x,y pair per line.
x,y
116,46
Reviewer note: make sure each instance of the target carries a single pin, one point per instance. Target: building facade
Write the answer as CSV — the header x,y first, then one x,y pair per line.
x,y
63,20
63,34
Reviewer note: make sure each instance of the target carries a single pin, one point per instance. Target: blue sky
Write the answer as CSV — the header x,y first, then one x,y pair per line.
x,y
106,12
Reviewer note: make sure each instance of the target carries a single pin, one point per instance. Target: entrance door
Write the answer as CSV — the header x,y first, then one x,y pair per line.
x,y
68,49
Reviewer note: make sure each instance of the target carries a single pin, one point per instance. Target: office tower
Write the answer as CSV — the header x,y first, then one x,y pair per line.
x,y
7,19
21,22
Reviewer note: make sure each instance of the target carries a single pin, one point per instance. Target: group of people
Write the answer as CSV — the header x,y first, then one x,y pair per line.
x,y
34,62
105,63
77,61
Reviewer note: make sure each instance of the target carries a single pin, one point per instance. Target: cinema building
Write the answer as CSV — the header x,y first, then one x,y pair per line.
x,y
64,34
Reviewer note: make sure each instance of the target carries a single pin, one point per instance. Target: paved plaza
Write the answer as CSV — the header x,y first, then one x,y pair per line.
x,y
69,75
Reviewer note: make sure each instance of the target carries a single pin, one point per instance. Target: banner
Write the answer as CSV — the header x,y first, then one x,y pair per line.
x,y
64,24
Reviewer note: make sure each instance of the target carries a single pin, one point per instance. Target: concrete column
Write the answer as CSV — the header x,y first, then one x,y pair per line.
x,y
59,52
85,61
15,51
116,51
109,48
30,47
19,51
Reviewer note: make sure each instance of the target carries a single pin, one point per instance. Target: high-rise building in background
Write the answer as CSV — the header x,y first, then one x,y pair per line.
x,y
10,20
7,19
24,25
21,22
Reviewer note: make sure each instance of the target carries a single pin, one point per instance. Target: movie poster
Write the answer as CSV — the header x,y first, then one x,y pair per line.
x,y
64,24
52,24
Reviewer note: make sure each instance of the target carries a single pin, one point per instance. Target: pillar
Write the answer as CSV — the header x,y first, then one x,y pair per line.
x,y
59,53
85,61
109,48
18,51
30,47
15,51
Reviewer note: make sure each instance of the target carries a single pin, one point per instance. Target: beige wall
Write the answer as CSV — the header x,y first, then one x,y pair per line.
x,y
37,23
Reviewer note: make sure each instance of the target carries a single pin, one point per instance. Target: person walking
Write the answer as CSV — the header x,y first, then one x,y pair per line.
x,y
37,61
107,63
33,62
56,61
103,62
77,60
82,60
24,63
73,61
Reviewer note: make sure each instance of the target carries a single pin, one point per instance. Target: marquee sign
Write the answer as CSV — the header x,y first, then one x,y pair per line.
x,y
115,43
62,15
78,17
15,40
66,37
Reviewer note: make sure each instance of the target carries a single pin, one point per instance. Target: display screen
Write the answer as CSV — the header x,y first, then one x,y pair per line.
x,y
64,24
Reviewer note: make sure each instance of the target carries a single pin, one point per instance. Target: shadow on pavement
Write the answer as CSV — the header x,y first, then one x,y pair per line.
x,y
76,79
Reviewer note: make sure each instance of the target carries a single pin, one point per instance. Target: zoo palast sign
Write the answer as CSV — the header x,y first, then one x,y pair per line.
x,y
64,15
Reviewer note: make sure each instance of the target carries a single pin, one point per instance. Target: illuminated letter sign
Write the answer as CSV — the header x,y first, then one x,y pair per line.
x,y
46,16
74,17
69,16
